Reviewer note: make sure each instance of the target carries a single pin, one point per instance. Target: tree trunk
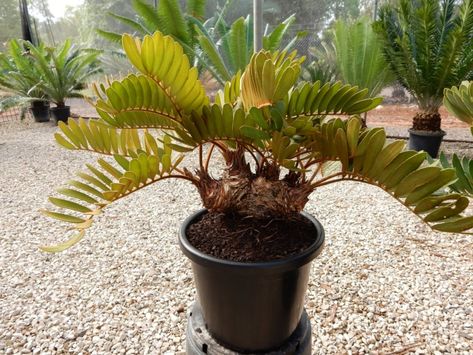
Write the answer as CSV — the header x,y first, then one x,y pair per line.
x,y
427,121
251,196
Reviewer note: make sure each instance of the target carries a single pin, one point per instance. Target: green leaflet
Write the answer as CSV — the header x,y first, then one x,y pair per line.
x,y
69,205
429,203
62,141
445,177
77,194
385,157
457,226
342,147
416,179
447,211
459,101
66,245
254,133
63,217
397,170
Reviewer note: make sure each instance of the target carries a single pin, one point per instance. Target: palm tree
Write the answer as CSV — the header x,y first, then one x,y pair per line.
x,y
427,44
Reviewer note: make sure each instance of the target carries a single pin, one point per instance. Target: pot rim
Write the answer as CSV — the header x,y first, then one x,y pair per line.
x,y
43,103
60,108
279,265
424,133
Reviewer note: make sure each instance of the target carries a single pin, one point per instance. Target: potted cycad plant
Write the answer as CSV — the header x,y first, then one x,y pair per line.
x,y
355,55
63,74
252,245
427,45
19,78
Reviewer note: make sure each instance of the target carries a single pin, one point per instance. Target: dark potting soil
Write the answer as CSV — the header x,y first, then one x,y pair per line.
x,y
240,239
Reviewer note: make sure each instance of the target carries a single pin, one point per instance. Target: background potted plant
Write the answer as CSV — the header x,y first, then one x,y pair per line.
x,y
19,78
427,45
63,74
353,53
251,247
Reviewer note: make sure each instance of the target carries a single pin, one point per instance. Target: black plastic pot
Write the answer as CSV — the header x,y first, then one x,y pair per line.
x,y
251,307
40,111
426,140
61,113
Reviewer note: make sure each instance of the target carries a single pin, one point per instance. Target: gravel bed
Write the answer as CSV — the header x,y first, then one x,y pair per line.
x,y
384,284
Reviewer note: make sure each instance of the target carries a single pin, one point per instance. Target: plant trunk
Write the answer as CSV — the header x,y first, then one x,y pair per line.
x,y
427,121
364,120
250,196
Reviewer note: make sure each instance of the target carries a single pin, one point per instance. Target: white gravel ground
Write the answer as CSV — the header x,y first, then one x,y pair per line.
x,y
385,284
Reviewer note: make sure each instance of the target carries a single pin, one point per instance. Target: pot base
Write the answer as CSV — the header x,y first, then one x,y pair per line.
x,y
200,342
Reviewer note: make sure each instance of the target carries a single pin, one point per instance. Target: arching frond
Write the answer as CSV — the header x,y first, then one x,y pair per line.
x,y
231,91
163,60
86,196
138,101
405,175
329,99
268,78
98,137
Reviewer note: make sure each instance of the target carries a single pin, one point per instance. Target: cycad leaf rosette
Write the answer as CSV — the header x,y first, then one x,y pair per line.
x,y
150,121
459,102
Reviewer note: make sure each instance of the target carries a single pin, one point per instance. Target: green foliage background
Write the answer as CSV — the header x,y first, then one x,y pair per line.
x,y
79,22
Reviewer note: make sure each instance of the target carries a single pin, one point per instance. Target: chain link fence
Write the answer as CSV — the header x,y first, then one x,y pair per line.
x,y
14,115
303,45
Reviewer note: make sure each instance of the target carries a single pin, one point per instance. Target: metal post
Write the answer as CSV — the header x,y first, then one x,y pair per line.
x,y
26,30
257,25
375,12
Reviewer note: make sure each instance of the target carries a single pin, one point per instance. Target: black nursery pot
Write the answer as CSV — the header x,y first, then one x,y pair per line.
x,y
40,111
426,140
61,113
251,307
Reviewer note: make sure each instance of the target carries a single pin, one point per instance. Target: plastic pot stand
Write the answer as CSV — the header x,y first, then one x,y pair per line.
x,y
200,342
426,140
61,113
251,307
